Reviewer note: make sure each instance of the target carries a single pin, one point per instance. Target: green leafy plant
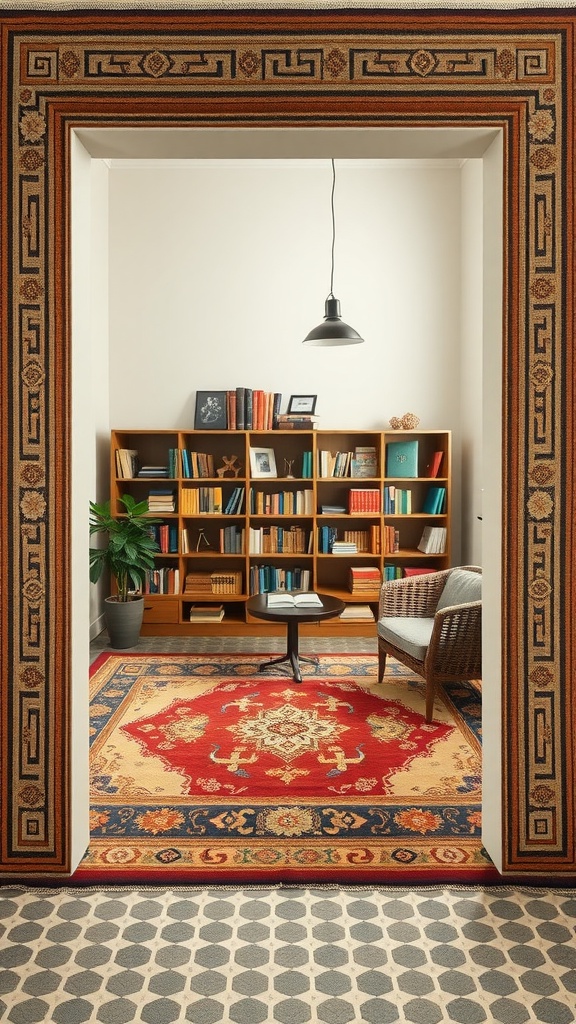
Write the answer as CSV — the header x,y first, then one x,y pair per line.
x,y
129,553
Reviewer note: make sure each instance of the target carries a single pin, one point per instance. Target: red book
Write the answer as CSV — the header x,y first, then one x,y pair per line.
x,y
434,465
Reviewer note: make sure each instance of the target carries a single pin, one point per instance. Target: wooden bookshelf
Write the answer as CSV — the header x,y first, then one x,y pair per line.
x,y
287,523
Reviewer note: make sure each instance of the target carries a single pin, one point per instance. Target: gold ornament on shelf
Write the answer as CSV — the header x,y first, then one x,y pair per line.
x,y
409,421
231,465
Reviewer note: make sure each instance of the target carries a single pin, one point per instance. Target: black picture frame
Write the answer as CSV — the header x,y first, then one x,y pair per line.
x,y
303,404
211,412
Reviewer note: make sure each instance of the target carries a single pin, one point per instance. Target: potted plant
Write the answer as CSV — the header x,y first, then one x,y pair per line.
x,y
129,555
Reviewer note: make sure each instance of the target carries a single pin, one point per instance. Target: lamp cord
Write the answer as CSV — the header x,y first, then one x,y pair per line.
x,y
331,295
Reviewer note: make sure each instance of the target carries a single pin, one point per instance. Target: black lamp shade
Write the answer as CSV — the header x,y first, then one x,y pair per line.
x,y
333,331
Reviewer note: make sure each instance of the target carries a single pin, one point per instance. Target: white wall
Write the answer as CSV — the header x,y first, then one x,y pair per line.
x,y
472,325
492,232
218,270
89,268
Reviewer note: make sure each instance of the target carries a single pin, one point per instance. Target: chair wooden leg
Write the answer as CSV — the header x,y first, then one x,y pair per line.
x,y
429,700
381,663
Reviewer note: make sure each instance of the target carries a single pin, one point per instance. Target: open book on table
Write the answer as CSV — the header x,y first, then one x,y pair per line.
x,y
306,599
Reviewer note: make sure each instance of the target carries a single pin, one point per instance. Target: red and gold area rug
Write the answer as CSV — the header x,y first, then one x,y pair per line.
x,y
205,770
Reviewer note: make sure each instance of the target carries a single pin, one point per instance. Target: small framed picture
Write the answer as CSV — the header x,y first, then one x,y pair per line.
x,y
210,411
262,462
304,404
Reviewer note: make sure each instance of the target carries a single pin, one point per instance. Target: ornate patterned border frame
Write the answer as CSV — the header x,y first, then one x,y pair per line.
x,y
291,68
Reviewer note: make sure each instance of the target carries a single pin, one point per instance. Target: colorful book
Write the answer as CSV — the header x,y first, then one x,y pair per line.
x,y
402,458
433,467
434,500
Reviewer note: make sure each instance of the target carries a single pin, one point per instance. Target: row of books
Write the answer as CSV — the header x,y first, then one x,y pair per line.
x,y
397,501
435,501
363,499
390,540
232,540
209,500
402,460
191,464
162,581
235,502
433,540
278,540
219,582
166,537
252,409
353,542
264,578
205,500
300,503
401,457
167,581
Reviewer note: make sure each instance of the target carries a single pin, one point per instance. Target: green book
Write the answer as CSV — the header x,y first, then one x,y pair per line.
x,y
402,458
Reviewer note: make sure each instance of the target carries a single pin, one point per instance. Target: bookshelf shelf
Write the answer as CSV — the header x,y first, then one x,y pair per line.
x,y
362,459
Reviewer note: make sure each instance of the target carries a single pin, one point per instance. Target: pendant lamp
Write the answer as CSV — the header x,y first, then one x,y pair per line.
x,y
333,330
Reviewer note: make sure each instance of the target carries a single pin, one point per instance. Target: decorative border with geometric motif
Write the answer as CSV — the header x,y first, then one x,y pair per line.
x,y
514,70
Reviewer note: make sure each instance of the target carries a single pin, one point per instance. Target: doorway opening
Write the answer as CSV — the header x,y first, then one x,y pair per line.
x,y
97,153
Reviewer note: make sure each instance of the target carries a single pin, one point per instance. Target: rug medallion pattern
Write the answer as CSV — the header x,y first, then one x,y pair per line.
x,y
202,765
509,71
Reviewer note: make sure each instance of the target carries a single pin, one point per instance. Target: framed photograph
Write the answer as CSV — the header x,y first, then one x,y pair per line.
x,y
262,462
210,411
304,404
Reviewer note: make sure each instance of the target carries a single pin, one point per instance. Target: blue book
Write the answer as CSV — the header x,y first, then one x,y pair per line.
x,y
434,500
402,458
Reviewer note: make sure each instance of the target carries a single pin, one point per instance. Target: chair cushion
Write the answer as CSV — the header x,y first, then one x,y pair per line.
x,y
411,635
462,586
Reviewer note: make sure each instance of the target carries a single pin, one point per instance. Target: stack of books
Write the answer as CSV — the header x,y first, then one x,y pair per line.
x,y
295,421
357,613
160,500
207,613
333,463
152,471
213,583
365,579
360,538
344,547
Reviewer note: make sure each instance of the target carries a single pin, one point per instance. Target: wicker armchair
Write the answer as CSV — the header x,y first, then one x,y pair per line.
x,y
433,624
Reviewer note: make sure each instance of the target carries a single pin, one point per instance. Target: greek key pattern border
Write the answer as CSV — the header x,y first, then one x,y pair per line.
x,y
521,69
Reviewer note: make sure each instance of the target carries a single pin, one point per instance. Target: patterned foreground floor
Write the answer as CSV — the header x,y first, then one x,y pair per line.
x,y
289,955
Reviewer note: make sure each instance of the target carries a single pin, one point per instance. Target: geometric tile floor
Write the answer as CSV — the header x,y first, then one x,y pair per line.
x,y
240,644
287,954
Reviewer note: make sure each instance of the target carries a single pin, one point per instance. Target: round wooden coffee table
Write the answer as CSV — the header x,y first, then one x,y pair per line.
x,y
293,616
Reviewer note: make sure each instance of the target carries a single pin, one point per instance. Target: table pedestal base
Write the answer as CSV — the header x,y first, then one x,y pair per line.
x,y
292,656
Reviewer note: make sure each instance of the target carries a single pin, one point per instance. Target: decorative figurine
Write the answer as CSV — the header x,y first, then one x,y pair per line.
x,y
202,541
409,421
231,465
288,463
